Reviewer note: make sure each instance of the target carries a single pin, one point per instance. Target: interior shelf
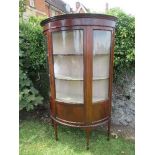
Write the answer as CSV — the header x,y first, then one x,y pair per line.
x,y
98,99
76,100
66,54
100,53
71,100
101,77
77,54
63,77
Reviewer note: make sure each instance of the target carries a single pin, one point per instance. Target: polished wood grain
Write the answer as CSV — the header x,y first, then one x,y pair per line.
x,y
78,16
87,115
70,112
88,75
51,74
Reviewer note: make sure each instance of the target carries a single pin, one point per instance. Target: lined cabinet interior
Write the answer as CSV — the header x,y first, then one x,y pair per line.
x,y
68,65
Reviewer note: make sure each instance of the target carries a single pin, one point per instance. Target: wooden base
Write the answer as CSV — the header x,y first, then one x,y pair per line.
x,y
87,130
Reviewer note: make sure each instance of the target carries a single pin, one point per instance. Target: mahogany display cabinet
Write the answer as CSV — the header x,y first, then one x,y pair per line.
x,y
80,59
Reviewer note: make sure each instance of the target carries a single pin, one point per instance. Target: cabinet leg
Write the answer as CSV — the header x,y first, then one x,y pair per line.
x,y
87,137
109,126
52,121
55,131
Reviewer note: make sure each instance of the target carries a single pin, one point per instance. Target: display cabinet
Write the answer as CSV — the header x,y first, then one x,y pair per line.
x,y
80,59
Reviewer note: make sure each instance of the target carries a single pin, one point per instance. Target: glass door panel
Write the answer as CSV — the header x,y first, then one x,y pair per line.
x,y
68,65
101,59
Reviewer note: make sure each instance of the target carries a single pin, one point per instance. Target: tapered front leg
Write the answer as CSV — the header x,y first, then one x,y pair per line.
x,y
52,121
109,127
88,137
55,131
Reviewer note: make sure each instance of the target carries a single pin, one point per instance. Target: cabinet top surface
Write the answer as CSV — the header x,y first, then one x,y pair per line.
x,y
77,15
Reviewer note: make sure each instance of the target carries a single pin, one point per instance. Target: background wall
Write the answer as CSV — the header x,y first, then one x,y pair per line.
x,y
123,102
